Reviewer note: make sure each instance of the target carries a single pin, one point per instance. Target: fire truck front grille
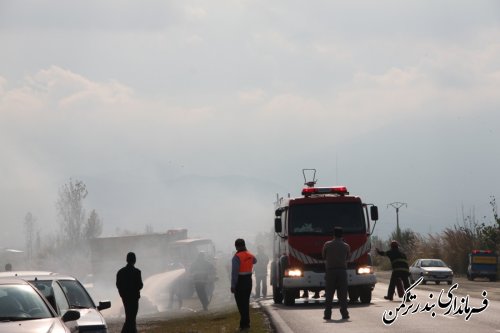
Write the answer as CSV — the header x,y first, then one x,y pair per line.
x,y
316,268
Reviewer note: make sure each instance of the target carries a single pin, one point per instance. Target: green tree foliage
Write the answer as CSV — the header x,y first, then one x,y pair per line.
x,y
407,241
70,210
93,227
430,246
75,226
490,234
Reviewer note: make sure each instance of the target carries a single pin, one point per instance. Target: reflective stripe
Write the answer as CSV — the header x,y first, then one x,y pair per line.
x,y
360,251
246,262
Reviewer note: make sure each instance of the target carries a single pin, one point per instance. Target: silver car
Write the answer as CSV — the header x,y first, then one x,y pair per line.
x,y
65,293
431,270
24,309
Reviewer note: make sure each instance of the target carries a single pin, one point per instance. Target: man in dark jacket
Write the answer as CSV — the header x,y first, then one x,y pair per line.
x,y
400,269
202,273
129,284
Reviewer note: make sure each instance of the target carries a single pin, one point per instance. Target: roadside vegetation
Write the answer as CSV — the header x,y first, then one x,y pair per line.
x,y
452,245
226,321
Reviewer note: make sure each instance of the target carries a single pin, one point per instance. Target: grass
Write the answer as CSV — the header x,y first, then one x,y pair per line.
x,y
226,322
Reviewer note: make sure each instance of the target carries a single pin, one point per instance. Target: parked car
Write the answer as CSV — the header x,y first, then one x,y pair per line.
x,y
66,293
432,270
24,309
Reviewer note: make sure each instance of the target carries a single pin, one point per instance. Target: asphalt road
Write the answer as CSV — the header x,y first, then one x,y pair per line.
x,y
307,316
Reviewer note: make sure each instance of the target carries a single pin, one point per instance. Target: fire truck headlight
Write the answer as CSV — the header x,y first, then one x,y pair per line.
x,y
294,272
365,270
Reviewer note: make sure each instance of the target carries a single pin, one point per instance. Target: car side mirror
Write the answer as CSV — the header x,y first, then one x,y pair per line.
x,y
374,213
277,225
103,305
70,315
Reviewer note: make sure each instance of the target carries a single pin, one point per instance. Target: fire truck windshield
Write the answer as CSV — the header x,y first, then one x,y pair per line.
x,y
321,218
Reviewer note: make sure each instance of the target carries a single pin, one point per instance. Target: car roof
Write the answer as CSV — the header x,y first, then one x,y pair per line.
x,y
38,275
12,280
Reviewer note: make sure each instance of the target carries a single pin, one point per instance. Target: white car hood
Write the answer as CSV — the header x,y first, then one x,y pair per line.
x,y
436,269
90,317
47,325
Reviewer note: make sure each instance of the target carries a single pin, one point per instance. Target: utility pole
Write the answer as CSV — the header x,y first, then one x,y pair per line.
x,y
397,205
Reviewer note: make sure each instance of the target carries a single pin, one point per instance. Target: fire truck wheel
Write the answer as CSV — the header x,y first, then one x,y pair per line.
x,y
289,296
277,296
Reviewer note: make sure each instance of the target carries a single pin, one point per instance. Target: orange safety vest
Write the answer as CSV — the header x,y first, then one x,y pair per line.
x,y
246,262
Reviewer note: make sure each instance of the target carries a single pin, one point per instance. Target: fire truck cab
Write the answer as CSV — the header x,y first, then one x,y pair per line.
x,y
303,225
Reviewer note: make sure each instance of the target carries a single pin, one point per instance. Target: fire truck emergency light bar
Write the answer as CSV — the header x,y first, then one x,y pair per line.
x,y
342,190
482,252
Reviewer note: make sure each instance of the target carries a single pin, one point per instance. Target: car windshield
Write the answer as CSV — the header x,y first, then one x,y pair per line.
x,y
21,302
433,263
322,218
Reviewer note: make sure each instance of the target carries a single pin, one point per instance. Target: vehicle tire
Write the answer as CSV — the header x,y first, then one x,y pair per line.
x,y
450,282
438,282
472,277
469,277
353,294
424,282
277,295
289,296
493,278
365,295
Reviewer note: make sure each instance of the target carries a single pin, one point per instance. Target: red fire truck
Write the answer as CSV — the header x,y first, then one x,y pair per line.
x,y
302,225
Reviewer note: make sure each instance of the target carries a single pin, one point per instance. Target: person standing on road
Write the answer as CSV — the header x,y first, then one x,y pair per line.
x,y
241,281
129,284
202,273
261,272
336,254
400,269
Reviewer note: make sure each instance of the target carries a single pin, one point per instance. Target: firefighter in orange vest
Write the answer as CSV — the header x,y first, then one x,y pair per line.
x,y
241,281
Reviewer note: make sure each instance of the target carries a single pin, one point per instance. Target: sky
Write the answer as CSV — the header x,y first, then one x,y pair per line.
x,y
198,114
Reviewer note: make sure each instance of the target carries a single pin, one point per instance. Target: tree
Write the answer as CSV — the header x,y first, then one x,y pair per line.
x,y
407,239
491,233
70,210
93,227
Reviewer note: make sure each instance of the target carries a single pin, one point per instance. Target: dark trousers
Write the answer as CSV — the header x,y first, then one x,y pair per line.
x,y
242,296
261,282
131,307
201,290
394,277
336,279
